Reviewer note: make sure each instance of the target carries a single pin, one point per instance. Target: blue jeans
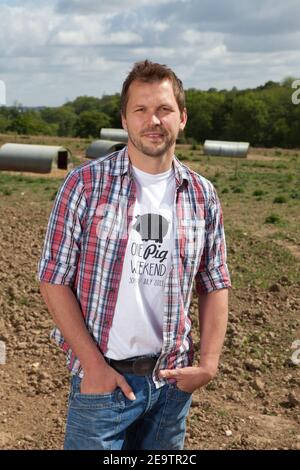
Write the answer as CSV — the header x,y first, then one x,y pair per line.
x,y
155,420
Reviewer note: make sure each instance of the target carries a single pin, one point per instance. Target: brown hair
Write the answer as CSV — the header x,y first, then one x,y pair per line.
x,y
150,72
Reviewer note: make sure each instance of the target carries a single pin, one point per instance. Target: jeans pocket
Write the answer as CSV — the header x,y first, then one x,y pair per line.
x,y
177,393
92,400
115,399
93,395
171,431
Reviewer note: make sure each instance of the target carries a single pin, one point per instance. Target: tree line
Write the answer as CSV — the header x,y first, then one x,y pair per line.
x,y
264,116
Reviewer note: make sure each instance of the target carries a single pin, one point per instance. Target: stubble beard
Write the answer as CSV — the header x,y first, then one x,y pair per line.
x,y
155,150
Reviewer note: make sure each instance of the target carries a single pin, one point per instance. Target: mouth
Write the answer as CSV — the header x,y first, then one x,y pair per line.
x,y
153,135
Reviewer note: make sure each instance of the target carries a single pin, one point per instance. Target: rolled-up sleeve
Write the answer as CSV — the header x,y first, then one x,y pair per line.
x,y
213,271
58,263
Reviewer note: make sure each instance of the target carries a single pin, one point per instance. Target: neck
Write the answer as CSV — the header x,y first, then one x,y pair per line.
x,y
153,165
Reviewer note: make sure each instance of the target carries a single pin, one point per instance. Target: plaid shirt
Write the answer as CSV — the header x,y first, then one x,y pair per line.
x,y
86,241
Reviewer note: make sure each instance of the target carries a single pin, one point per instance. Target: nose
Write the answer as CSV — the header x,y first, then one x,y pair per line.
x,y
155,120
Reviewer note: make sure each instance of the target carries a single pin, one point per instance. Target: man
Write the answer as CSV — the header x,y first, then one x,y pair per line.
x,y
126,238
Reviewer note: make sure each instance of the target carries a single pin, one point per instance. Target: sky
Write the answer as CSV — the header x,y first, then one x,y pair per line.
x,y
53,51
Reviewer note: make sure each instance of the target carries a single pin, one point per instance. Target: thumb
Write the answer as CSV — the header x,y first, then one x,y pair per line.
x,y
125,387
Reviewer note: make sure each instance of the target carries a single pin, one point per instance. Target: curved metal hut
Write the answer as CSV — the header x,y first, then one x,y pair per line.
x,y
33,158
101,148
110,141
226,148
117,135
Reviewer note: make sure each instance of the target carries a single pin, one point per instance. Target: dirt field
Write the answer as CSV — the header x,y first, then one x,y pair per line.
x,y
254,402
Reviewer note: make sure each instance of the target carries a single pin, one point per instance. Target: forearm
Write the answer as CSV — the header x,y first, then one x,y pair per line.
x,y
67,315
213,314
213,317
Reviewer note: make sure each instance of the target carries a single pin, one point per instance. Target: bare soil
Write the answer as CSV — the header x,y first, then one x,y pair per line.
x,y
253,403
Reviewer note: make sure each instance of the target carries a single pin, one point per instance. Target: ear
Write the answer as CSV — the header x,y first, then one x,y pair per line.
x,y
183,119
124,124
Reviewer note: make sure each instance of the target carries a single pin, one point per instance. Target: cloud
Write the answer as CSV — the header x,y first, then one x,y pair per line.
x,y
50,50
90,7
249,17
90,38
21,29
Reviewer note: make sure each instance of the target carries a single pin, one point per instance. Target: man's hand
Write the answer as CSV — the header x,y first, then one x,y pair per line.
x,y
188,379
105,380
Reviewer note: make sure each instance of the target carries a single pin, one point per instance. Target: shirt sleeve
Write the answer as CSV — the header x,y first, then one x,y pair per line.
x,y
213,272
58,262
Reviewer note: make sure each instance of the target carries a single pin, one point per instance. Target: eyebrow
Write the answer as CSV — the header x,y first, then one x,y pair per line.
x,y
164,105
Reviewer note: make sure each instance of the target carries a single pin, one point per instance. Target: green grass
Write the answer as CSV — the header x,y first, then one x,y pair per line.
x,y
248,191
295,194
279,200
24,301
258,192
39,188
273,219
258,262
223,412
238,189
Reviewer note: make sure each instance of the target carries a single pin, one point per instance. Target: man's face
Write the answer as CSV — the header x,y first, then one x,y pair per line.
x,y
153,119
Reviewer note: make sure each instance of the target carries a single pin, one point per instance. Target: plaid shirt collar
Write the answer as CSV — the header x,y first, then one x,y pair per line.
x,y
123,166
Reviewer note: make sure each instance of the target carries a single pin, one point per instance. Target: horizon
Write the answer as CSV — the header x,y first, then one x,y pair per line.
x,y
234,88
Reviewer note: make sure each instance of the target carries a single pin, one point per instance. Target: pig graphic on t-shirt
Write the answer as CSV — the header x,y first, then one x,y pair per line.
x,y
151,227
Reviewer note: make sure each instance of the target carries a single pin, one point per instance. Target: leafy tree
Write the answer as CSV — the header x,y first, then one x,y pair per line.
x,y
203,111
84,103
89,123
4,124
31,123
110,105
249,119
293,139
263,116
64,117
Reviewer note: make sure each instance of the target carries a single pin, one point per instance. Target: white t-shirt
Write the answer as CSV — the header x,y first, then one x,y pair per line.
x,y
137,327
